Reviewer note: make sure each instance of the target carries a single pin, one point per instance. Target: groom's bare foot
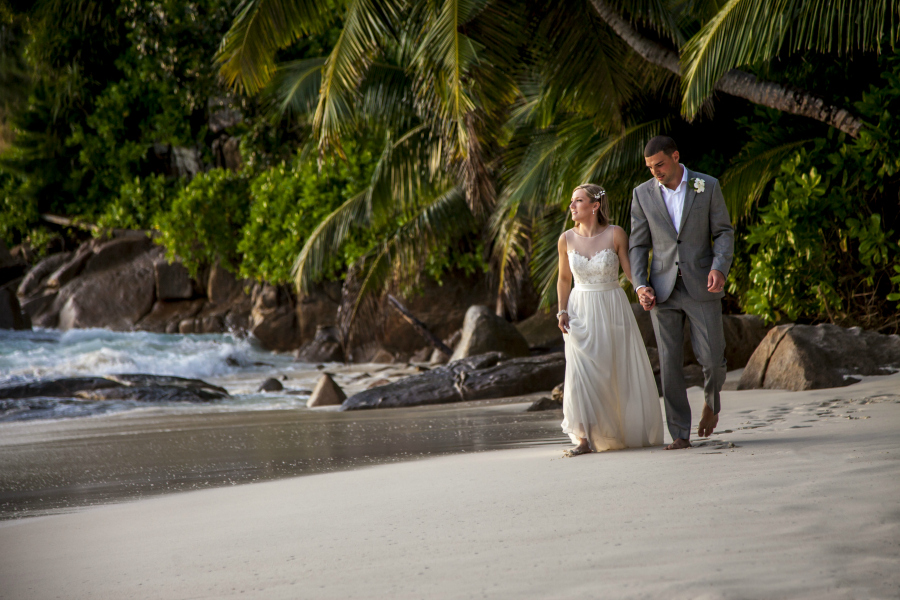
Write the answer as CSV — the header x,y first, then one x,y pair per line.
x,y
708,422
679,444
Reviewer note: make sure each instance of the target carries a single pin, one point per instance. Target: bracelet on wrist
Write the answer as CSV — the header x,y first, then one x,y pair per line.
x,y
561,313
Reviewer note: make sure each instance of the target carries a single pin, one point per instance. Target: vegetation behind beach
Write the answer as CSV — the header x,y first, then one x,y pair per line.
x,y
296,142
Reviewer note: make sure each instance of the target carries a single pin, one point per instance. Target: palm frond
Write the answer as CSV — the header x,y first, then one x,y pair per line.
x,y
443,58
367,25
544,256
402,253
745,32
744,183
655,14
295,86
509,256
404,177
326,239
246,56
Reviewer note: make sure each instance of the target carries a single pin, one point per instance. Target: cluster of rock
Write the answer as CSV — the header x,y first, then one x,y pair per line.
x,y
804,357
126,283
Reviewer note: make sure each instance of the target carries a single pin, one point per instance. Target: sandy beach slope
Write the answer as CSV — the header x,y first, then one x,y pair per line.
x,y
806,504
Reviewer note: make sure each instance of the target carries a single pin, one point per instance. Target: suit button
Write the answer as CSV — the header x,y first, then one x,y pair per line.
x,y
679,241
676,263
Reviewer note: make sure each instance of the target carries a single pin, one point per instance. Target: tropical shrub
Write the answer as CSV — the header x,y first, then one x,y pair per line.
x,y
204,221
290,200
825,244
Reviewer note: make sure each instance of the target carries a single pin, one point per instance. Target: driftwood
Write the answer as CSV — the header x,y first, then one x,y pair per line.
x,y
419,326
491,375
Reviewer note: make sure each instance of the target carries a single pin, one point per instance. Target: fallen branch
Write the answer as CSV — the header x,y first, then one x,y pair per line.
x,y
419,326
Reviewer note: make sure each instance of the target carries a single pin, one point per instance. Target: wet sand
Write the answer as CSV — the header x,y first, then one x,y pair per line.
x,y
796,496
54,466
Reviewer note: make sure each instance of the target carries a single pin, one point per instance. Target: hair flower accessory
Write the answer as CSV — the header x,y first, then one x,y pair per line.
x,y
699,184
598,194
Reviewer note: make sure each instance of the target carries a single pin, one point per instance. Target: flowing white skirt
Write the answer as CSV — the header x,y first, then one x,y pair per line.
x,y
610,395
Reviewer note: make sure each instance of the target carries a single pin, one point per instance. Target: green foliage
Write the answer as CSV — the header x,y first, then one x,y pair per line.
x,y
138,203
109,79
816,248
290,200
792,270
204,221
465,260
16,213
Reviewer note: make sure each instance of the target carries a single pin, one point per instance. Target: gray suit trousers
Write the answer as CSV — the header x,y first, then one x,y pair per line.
x,y
708,339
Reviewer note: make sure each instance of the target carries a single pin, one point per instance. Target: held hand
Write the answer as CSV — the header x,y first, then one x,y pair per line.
x,y
647,297
564,323
715,283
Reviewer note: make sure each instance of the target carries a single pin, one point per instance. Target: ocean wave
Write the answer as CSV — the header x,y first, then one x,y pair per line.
x,y
84,352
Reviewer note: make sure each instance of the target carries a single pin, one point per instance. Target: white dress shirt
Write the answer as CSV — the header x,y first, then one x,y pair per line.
x,y
674,199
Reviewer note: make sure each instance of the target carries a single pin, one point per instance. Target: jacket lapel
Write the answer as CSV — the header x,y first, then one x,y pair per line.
x,y
660,204
689,196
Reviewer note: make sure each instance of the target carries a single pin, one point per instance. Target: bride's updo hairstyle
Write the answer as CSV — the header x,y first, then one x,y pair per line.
x,y
598,194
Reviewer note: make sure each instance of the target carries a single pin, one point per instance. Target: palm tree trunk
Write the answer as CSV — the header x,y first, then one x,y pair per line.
x,y
736,83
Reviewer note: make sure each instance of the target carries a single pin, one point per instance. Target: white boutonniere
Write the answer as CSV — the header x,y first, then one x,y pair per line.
x,y
699,185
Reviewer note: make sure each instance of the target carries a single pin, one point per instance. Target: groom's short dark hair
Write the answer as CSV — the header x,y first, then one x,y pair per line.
x,y
661,143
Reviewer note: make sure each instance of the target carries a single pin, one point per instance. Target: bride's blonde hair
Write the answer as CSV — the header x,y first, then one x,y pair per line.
x,y
599,195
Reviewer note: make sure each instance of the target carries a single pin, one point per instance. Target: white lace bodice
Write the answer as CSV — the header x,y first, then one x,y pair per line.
x,y
592,260
602,267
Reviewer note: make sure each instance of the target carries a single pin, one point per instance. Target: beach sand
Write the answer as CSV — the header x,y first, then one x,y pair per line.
x,y
805,504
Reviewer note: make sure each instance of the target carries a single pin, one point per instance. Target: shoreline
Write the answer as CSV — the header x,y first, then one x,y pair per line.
x,y
52,466
799,500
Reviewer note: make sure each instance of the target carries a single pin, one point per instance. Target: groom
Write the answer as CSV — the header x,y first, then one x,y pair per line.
x,y
681,216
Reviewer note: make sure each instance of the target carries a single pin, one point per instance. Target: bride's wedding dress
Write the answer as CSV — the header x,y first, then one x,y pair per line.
x,y
610,396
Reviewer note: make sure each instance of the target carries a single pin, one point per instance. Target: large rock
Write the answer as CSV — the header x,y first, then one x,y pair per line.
x,y
480,377
173,282
165,317
273,320
115,253
116,298
11,314
743,333
483,331
40,309
222,285
317,308
135,386
72,267
326,393
541,331
325,347
36,277
804,357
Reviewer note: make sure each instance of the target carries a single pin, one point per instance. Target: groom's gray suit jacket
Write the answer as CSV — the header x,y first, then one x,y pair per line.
x,y
705,240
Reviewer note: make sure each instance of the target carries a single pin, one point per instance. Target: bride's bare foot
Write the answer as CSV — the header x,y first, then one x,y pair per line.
x,y
679,444
583,448
708,422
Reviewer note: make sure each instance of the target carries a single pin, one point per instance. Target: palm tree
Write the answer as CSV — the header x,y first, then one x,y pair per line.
x,y
490,118
747,32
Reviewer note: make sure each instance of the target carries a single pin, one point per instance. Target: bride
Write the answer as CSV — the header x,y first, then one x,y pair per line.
x,y
610,400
